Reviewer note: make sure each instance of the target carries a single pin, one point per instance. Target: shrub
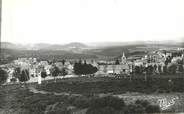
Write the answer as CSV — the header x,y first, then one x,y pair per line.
x,y
58,109
108,101
144,103
44,74
37,108
134,109
152,109
81,102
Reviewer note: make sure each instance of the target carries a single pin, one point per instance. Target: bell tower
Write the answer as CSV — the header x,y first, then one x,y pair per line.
x,y
123,59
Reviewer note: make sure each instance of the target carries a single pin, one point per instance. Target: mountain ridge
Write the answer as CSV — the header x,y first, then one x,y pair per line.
x,y
43,46
81,46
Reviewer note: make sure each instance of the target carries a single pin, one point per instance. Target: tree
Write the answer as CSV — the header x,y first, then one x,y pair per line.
x,y
181,69
63,62
4,76
85,68
24,76
142,69
43,74
77,68
145,72
54,71
117,62
137,69
180,62
165,69
40,68
149,70
63,72
168,60
172,69
155,69
160,69
95,69
17,72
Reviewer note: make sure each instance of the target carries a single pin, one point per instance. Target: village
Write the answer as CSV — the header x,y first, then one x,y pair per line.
x,y
154,63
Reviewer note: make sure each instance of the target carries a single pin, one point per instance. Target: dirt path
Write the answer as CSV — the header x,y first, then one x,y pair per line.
x,y
34,90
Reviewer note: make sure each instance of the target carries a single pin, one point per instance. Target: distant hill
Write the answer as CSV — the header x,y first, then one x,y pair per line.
x,y
132,49
40,46
80,50
8,45
43,54
12,51
115,50
76,45
115,44
54,47
43,46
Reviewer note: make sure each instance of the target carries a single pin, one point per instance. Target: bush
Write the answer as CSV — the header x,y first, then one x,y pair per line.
x,y
134,109
59,108
152,109
24,76
81,102
37,108
144,103
108,101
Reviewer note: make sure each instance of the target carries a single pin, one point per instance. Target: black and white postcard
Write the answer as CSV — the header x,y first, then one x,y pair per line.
x,y
92,57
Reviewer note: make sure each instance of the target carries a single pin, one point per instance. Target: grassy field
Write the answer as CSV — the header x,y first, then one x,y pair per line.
x,y
16,99
152,89
86,85
19,100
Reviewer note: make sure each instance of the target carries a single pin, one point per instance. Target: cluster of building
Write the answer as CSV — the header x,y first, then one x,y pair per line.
x,y
34,67
126,65
113,67
122,65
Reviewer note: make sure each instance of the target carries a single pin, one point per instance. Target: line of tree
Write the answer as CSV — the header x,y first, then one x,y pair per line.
x,y
56,71
43,73
84,68
167,69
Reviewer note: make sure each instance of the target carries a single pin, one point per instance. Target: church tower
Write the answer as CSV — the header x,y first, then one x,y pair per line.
x,y
123,59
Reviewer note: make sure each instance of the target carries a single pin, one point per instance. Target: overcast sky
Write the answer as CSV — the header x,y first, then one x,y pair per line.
x,y
64,21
